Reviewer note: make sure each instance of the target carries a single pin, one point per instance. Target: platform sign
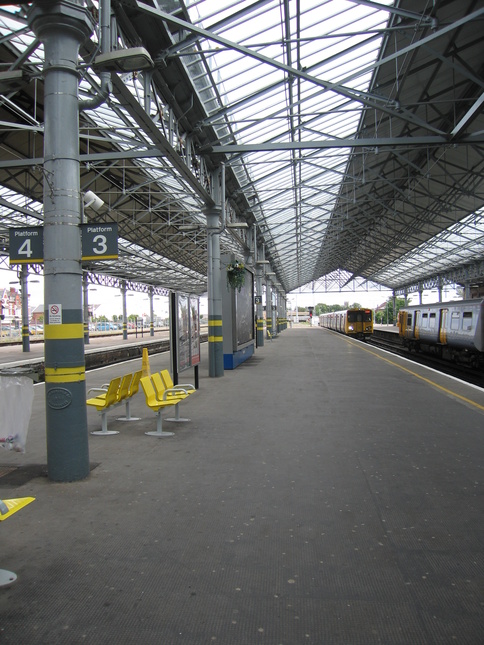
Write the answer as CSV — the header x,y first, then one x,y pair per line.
x,y
26,245
99,241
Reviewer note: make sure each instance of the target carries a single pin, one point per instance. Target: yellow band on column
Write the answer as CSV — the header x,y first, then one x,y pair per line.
x,y
58,332
65,374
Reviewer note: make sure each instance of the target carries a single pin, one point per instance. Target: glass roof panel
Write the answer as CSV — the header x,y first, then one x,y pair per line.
x,y
329,42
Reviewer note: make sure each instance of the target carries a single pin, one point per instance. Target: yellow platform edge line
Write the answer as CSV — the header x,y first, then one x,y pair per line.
x,y
423,378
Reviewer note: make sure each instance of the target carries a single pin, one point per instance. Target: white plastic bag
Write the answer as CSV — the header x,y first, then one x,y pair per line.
x,y
16,397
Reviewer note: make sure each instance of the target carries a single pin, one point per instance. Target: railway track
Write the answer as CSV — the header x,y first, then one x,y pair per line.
x,y
462,372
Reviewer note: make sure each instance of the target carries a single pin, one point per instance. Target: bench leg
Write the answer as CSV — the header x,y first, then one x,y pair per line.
x,y
177,416
128,416
104,426
159,428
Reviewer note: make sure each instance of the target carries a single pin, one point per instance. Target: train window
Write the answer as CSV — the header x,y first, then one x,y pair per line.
x,y
467,320
432,320
425,320
409,320
353,316
367,315
454,321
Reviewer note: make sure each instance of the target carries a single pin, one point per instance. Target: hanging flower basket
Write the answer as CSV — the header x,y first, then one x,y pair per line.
x,y
235,275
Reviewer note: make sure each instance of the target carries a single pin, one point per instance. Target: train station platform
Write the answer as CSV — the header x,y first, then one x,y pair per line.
x,y
323,493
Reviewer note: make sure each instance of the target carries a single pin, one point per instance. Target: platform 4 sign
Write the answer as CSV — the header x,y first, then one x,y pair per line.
x,y
26,245
99,242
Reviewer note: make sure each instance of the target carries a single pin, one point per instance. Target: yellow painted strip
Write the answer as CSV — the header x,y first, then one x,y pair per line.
x,y
65,374
65,379
422,378
215,339
214,323
99,257
59,332
29,261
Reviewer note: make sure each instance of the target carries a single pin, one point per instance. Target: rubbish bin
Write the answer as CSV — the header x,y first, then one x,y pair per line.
x,y
16,397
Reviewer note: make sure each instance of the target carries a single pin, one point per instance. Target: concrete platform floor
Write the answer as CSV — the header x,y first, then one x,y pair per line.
x,y
324,493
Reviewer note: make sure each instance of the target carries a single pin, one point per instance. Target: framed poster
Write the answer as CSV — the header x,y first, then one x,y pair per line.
x,y
185,331
244,311
195,330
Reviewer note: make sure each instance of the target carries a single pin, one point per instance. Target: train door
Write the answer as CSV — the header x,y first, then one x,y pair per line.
x,y
414,325
444,314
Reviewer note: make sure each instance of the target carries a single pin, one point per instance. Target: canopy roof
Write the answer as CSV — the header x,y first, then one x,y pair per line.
x,y
349,134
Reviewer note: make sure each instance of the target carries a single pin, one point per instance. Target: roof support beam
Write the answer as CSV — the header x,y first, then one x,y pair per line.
x,y
343,143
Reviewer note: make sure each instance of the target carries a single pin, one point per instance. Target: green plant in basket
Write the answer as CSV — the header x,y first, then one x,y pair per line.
x,y
235,275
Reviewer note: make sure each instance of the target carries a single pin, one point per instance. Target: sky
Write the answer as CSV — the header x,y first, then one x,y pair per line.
x,y
109,301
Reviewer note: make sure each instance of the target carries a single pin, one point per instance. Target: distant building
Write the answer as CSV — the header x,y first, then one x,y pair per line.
x,y
11,303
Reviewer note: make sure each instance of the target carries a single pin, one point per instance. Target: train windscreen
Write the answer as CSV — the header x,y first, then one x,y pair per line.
x,y
359,316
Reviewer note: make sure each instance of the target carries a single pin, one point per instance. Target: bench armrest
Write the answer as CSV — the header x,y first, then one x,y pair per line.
x,y
97,389
173,390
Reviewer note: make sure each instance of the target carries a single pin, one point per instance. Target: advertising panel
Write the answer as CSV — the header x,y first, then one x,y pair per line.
x,y
185,330
244,311
195,330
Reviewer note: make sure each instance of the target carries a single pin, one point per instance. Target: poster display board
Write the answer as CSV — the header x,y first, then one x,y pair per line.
x,y
244,312
238,313
185,330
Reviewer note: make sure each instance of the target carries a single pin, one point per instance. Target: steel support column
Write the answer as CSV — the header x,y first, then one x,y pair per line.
x,y
215,334
152,323
62,26
85,305
259,309
24,284
125,310
269,328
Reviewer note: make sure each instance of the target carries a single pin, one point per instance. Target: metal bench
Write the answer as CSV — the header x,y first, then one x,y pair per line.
x,y
111,395
157,405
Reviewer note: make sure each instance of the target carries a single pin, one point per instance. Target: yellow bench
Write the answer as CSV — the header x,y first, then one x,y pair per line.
x,y
118,392
157,405
7,508
165,389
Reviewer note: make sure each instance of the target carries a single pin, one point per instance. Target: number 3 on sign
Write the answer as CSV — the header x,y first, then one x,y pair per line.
x,y
99,245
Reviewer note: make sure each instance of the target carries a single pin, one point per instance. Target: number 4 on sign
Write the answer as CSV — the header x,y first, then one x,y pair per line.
x,y
26,249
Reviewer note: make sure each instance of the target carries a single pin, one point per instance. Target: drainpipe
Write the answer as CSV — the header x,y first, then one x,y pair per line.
x,y
105,47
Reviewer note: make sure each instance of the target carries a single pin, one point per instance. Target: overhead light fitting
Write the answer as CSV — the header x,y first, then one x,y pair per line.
x,y
134,59
91,200
237,225
188,227
262,262
270,273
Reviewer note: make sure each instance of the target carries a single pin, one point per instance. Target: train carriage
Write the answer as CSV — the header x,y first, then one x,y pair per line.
x,y
452,330
357,323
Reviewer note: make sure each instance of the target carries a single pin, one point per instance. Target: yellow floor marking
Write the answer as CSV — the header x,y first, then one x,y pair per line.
x,y
422,378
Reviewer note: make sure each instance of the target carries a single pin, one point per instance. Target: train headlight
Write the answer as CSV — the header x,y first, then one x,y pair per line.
x,y
350,327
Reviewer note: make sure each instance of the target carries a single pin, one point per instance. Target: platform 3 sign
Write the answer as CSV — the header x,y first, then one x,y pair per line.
x,y
99,242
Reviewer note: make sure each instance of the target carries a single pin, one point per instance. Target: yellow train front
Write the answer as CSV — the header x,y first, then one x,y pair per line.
x,y
357,323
